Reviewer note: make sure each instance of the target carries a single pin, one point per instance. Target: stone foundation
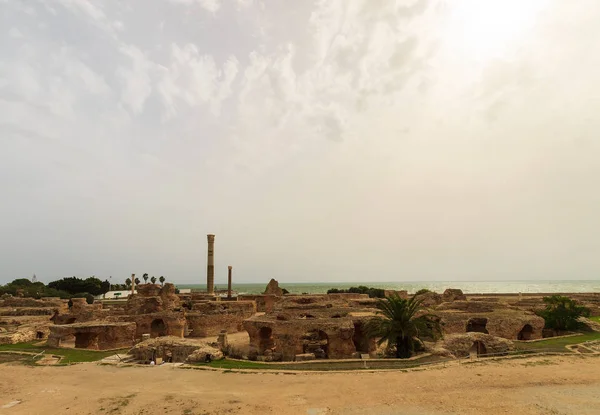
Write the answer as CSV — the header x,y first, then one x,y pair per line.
x,y
94,336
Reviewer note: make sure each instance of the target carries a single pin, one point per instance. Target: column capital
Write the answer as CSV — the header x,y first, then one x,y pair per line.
x,y
210,237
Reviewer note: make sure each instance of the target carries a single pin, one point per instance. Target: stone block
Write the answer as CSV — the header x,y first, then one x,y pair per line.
x,y
305,356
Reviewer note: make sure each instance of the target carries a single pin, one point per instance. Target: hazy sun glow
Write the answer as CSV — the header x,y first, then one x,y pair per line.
x,y
483,29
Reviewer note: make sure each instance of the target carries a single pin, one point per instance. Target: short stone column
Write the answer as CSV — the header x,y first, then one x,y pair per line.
x,y
222,339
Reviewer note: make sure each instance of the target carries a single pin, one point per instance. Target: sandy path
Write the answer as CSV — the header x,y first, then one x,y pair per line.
x,y
568,385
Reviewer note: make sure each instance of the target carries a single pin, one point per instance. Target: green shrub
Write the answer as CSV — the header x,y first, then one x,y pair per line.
x,y
561,313
372,292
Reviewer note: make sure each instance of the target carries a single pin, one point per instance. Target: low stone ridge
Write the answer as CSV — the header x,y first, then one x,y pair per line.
x,y
461,345
28,311
453,294
264,302
472,306
10,301
590,324
430,299
21,335
200,355
273,288
174,349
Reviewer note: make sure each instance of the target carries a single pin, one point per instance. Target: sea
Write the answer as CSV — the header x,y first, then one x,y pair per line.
x,y
468,287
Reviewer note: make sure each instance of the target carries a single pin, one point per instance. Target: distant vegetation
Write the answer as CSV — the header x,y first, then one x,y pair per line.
x,y
68,287
32,289
423,291
561,313
373,292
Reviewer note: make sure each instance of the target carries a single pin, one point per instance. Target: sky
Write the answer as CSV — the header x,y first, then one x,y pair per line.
x,y
330,140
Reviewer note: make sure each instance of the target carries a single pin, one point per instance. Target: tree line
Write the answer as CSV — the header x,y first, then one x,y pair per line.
x,y
69,287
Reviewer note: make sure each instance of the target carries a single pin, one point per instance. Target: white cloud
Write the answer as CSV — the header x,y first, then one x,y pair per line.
x,y
135,79
360,119
86,7
242,4
15,33
91,11
209,5
195,79
118,25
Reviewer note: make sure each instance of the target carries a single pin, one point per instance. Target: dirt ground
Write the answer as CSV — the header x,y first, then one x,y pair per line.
x,y
564,385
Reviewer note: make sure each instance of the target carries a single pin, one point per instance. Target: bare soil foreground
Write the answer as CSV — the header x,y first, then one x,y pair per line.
x,y
543,385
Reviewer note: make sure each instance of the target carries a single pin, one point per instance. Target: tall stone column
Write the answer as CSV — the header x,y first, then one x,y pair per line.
x,y
210,267
229,281
132,283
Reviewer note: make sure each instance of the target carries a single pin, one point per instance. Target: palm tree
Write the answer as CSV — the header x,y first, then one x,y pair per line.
x,y
162,280
145,277
153,280
128,282
399,322
137,281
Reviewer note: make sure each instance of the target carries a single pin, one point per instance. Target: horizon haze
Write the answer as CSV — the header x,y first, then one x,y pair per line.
x,y
342,141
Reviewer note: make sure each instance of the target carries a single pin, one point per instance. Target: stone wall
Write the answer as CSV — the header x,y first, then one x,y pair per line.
x,y
462,345
95,336
53,302
153,298
347,296
505,323
289,338
169,349
167,323
25,333
209,318
264,302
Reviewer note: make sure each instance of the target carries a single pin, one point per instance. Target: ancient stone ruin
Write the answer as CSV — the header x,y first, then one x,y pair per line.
x,y
162,324
94,335
273,288
310,327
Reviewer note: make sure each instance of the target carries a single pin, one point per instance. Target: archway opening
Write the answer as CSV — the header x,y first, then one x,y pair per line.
x,y
316,342
477,325
266,342
158,328
526,332
86,340
359,338
39,335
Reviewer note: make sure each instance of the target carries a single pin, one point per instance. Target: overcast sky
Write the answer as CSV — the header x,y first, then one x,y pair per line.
x,y
336,140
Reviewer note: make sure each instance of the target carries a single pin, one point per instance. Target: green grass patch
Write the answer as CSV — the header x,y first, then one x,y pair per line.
x,y
595,318
322,365
14,358
558,344
68,355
